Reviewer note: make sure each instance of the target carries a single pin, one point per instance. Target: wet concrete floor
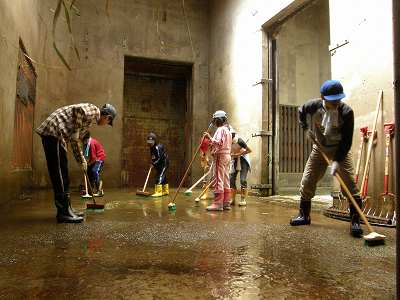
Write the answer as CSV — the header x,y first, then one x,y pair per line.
x,y
137,249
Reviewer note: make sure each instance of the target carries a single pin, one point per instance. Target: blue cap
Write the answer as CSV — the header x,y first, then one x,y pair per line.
x,y
332,90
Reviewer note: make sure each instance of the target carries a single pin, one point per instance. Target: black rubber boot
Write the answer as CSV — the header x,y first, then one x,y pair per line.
x,y
64,210
355,227
68,199
303,218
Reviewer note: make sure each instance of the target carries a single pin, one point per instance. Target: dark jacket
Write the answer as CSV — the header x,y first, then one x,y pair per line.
x,y
159,156
345,126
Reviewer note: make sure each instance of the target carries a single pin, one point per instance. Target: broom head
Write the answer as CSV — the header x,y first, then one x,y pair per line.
x,y
143,193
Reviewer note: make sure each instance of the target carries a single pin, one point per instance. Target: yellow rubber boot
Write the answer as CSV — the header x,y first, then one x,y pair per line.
x,y
243,196
165,189
233,196
157,191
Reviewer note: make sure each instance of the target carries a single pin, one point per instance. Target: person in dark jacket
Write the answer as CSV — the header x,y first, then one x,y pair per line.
x,y
333,124
160,162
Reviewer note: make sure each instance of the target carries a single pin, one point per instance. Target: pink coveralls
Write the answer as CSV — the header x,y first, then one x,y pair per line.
x,y
221,141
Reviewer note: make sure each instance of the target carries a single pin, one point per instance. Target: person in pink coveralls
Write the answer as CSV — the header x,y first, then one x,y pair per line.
x,y
221,151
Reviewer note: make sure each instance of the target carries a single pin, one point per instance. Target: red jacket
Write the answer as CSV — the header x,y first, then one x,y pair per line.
x,y
96,151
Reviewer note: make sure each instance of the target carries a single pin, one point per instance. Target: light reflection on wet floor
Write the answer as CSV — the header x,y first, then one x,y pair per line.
x,y
137,249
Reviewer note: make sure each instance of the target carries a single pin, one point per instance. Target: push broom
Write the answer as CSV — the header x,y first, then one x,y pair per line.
x,y
86,189
189,191
143,191
94,205
204,191
172,205
371,239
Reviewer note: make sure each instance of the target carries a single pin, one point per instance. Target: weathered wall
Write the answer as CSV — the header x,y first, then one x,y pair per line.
x,y
303,54
236,64
150,29
31,21
365,65
304,63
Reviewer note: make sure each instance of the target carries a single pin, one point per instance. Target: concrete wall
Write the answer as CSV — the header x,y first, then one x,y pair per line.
x,y
236,51
365,65
303,55
304,63
151,29
31,21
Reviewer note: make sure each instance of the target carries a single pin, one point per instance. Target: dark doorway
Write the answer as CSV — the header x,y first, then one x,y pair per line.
x,y
156,99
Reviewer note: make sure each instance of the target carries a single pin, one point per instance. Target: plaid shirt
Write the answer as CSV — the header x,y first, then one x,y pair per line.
x,y
66,121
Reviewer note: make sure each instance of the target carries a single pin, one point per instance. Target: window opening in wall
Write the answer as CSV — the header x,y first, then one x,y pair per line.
x,y
293,144
24,112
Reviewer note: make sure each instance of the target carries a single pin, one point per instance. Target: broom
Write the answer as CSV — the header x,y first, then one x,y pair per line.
x,y
86,189
189,191
143,191
172,205
93,205
371,239
204,191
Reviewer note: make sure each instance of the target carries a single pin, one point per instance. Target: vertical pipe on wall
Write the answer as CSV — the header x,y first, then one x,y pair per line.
x,y
396,66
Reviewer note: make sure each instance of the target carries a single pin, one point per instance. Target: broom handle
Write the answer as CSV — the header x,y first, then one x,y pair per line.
x,y
339,178
86,189
370,144
88,183
147,179
190,164
201,178
205,189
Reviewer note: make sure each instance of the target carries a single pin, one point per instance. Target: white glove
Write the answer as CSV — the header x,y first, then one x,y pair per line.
x,y
84,165
334,167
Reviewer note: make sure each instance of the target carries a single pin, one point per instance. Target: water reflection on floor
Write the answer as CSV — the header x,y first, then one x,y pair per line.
x,y
137,249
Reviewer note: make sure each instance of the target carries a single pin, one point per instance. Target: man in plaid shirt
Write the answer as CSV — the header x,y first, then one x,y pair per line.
x,y
69,124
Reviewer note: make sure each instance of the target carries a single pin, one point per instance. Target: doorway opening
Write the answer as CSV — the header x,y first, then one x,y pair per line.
x,y
157,98
299,62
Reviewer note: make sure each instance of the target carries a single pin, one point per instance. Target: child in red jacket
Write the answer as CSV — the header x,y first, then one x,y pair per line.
x,y
95,155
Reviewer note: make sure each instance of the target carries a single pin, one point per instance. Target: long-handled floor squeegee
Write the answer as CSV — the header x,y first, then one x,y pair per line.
x,y
94,205
143,191
371,239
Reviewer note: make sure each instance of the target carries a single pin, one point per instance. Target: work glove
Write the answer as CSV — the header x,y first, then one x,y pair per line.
x,y
84,165
334,167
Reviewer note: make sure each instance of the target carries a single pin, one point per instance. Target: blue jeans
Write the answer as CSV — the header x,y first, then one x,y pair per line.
x,y
95,171
243,174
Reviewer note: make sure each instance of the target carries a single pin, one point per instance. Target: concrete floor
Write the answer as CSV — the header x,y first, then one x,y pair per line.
x,y
136,249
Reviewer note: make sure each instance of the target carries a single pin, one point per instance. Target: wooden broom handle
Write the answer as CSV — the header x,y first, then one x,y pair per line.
x,y
339,178
190,164
371,141
147,179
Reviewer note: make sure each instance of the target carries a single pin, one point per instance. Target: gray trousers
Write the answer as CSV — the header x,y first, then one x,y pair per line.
x,y
316,167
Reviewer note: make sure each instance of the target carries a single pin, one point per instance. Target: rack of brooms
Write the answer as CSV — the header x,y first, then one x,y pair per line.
x,y
382,211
